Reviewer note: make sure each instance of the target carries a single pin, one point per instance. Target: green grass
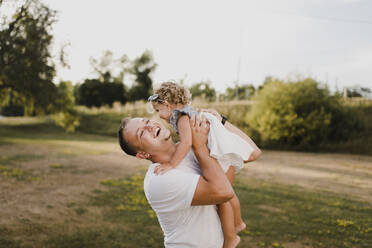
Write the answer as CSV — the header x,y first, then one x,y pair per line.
x,y
126,201
5,241
40,129
283,214
105,121
276,215
106,237
127,221
21,157
102,123
56,166
18,174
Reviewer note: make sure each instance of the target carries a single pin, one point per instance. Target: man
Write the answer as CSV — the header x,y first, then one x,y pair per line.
x,y
183,200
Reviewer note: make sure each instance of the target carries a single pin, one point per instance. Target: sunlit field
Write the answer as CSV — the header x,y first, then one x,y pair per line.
x,y
78,190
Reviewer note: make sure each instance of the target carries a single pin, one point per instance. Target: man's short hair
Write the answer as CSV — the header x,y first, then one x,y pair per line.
x,y
125,146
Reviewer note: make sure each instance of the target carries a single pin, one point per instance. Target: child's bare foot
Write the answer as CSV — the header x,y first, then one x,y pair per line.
x,y
231,242
240,227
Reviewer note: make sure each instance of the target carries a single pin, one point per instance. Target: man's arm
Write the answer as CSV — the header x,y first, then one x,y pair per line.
x,y
213,186
256,151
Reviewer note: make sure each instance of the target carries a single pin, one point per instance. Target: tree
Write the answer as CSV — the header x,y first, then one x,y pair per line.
x,y
204,91
26,67
65,114
94,93
108,87
90,93
110,69
357,91
142,69
65,96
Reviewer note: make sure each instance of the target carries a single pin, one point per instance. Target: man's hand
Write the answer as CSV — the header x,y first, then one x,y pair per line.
x,y
199,129
163,168
213,186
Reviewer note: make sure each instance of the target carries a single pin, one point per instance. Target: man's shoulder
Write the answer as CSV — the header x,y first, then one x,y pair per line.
x,y
170,191
158,181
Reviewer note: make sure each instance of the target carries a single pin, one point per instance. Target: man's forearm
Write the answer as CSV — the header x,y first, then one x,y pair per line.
x,y
212,171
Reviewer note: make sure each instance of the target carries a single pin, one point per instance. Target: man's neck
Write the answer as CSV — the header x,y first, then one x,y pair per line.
x,y
164,156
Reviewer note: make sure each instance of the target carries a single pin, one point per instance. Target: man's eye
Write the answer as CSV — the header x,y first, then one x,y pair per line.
x,y
157,110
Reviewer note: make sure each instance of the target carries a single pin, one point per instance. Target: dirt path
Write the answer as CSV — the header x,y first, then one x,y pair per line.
x,y
350,175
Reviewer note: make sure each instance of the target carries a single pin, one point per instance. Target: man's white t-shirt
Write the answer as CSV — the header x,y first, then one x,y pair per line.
x,y
170,196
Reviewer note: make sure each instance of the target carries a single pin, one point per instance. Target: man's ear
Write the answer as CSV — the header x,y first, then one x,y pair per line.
x,y
142,155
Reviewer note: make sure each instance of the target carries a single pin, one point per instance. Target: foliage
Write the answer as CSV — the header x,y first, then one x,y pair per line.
x,y
65,96
94,93
64,108
26,67
301,113
358,92
68,120
110,69
109,87
203,90
240,92
106,121
142,69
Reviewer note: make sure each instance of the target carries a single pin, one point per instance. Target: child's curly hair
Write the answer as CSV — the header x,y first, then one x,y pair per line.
x,y
174,93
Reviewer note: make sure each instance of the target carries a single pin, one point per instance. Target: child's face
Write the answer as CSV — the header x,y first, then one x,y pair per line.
x,y
164,110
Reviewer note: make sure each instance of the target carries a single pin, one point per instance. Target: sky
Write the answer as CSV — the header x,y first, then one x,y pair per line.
x,y
222,41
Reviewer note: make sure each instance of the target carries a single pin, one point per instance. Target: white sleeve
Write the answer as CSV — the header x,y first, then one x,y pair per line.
x,y
172,191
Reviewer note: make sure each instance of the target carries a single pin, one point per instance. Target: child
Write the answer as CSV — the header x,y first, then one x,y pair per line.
x,y
172,101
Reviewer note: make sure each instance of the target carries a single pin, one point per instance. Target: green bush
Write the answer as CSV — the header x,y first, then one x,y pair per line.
x,y
301,113
69,120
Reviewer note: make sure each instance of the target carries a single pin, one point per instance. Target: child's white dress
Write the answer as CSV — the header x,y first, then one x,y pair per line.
x,y
227,147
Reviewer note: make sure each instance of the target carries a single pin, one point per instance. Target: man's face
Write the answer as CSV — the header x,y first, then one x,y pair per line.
x,y
147,135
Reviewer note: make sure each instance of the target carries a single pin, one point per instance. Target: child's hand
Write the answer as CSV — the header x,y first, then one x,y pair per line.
x,y
163,168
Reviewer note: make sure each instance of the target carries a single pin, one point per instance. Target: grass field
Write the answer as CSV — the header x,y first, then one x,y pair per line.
x,y
63,190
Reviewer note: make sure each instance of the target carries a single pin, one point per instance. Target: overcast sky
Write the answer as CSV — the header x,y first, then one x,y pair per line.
x,y
330,40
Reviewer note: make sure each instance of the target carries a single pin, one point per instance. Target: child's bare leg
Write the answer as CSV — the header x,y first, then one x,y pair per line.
x,y
225,211
238,221
235,204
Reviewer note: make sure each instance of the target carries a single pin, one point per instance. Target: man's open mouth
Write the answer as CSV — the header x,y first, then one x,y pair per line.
x,y
157,132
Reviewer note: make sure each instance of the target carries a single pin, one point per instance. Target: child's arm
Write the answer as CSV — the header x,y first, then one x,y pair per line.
x,y
182,148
